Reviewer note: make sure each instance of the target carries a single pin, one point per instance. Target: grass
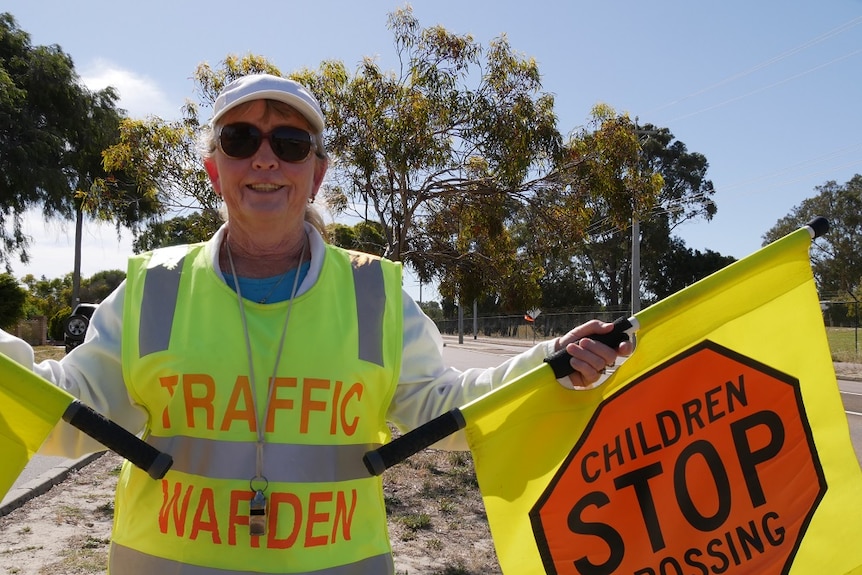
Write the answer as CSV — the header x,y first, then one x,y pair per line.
x,y
416,521
845,344
84,554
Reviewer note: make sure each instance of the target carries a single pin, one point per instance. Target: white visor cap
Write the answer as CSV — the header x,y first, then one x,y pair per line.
x,y
269,87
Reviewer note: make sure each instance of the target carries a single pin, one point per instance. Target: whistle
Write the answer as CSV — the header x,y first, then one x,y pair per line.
x,y
257,514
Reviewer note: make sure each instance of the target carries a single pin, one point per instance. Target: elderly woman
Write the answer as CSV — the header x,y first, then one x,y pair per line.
x,y
266,362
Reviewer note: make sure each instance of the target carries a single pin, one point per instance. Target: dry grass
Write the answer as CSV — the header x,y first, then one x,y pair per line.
x,y
437,521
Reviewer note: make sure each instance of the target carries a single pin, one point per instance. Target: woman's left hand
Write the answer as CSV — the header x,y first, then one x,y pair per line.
x,y
590,359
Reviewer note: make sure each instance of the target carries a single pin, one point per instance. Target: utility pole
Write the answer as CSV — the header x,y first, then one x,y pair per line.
x,y
460,321
636,265
636,240
475,318
76,272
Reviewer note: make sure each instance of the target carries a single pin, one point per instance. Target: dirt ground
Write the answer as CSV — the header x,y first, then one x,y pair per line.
x,y
437,521
848,370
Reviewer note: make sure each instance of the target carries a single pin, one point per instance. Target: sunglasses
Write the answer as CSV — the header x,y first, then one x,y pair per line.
x,y
243,140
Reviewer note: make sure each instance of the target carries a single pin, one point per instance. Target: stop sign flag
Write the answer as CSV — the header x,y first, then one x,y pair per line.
x,y
705,463
720,447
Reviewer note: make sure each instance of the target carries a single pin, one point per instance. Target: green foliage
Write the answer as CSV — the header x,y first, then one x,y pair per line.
x,y
421,148
51,297
836,257
196,227
680,267
564,290
46,296
12,300
51,145
57,323
453,162
39,97
416,521
155,166
623,171
365,237
432,309
100,285
606,172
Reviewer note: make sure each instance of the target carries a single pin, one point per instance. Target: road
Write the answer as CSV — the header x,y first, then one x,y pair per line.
x,y
488,354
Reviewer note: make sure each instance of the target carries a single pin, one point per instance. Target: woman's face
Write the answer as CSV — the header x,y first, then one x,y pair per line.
x,y
263,193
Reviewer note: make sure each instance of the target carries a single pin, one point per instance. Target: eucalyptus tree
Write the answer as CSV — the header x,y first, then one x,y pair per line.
x,y
836,257
54,133
603,185
455,131
657,183
161,160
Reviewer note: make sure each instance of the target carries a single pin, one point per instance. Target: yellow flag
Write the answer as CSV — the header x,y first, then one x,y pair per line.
x,y
30,407
719,447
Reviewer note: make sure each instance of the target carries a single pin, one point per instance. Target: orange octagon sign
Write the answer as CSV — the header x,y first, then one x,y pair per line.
x,y
705,465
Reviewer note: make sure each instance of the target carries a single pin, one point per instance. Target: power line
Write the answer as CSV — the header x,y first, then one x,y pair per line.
x,y
834,32
765,88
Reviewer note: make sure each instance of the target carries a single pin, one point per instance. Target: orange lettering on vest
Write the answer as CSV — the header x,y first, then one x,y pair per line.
x,y
236,518
275,502
203,401
325,517
345,515
308,404
206,505
350,428
277,403
171,507
315,517
336,396
169,383
241,388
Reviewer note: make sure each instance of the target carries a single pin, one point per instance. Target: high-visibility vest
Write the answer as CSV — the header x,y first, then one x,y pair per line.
x,y
185,361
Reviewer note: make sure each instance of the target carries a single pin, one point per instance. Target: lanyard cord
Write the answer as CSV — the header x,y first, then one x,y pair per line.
x,y
271,385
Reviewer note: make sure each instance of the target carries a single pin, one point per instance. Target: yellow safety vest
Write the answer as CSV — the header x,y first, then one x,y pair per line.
x,y
184,360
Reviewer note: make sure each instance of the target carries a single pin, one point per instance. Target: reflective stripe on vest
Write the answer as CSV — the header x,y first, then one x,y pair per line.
x,y
282,462
137,563
162,283
368,281
161,286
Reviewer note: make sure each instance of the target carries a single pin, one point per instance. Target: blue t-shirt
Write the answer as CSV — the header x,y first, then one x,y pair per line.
x,y
268,290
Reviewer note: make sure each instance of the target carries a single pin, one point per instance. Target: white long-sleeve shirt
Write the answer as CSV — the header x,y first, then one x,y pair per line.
x,y
427,387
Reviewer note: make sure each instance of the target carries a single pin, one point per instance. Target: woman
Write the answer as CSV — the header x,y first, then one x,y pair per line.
x,y
266,362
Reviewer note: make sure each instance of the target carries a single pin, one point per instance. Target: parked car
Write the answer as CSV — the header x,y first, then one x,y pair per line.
x,y
76,325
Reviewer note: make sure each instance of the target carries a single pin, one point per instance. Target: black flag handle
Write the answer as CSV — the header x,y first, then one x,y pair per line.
x,y
118,439
379,460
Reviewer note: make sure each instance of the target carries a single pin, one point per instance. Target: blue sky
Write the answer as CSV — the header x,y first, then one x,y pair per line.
x,y
768,91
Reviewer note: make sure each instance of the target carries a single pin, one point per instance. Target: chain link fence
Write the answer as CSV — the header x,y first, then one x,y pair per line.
x,y
545,326
840,313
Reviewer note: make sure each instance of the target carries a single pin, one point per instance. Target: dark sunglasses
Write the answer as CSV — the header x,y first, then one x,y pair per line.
x,y
242,141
